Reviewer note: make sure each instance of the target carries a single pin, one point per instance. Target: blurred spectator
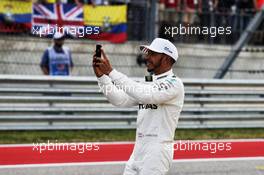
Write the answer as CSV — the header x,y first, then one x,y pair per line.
x,y
136,17
206,13
169,10
246,10
175,4
223,17
190,7
223,11
259,4
57,59
241,13
206,10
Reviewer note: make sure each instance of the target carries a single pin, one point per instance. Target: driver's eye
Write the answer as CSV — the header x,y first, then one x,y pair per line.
x,y
150,53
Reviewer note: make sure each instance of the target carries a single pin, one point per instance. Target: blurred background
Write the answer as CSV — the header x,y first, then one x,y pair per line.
x,y
135,22
221,63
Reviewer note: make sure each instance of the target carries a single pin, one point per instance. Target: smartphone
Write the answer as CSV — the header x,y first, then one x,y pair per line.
x,y
98,50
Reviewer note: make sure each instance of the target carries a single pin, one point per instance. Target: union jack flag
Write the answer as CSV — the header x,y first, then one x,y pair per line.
x,y
51,17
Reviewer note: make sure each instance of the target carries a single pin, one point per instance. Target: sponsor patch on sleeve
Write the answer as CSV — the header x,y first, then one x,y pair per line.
x,y
166,84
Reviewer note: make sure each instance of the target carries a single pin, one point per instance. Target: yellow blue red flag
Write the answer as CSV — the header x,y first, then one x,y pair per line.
x,y
15,15
18,11
112,21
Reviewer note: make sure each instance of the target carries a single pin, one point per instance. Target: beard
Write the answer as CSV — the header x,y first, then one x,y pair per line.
x,y
151,65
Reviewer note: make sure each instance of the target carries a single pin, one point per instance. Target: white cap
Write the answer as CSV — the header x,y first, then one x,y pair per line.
x,y
58,35
161,45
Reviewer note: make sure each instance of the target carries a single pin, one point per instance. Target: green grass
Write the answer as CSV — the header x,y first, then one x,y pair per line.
x,y
12,137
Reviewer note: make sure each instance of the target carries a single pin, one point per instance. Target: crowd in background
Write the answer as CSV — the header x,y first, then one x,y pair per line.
x,y
204,7
234,13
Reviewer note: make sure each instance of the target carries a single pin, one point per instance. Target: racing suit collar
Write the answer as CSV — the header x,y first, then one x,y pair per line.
x,y
163,75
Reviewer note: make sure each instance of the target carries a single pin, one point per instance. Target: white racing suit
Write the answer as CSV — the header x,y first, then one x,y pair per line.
x,y
160,103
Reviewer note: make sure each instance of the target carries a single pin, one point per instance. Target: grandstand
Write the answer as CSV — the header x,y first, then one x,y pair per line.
x,y
222,74
22,55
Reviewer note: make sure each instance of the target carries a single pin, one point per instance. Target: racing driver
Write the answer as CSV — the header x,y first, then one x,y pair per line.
x,y
159,101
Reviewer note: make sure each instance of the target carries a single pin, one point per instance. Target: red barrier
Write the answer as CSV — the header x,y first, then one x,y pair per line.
x,y
32,154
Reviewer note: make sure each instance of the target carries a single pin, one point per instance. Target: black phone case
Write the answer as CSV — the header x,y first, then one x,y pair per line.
x,y
98,50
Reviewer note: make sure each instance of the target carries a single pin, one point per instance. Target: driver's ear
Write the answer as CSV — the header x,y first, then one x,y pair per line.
x,y
164,59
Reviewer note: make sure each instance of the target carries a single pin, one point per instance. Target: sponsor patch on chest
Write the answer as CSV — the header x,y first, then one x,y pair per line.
x,y
147,106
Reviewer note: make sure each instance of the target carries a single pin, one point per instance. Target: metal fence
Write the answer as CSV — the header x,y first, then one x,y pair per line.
x,y
54,103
